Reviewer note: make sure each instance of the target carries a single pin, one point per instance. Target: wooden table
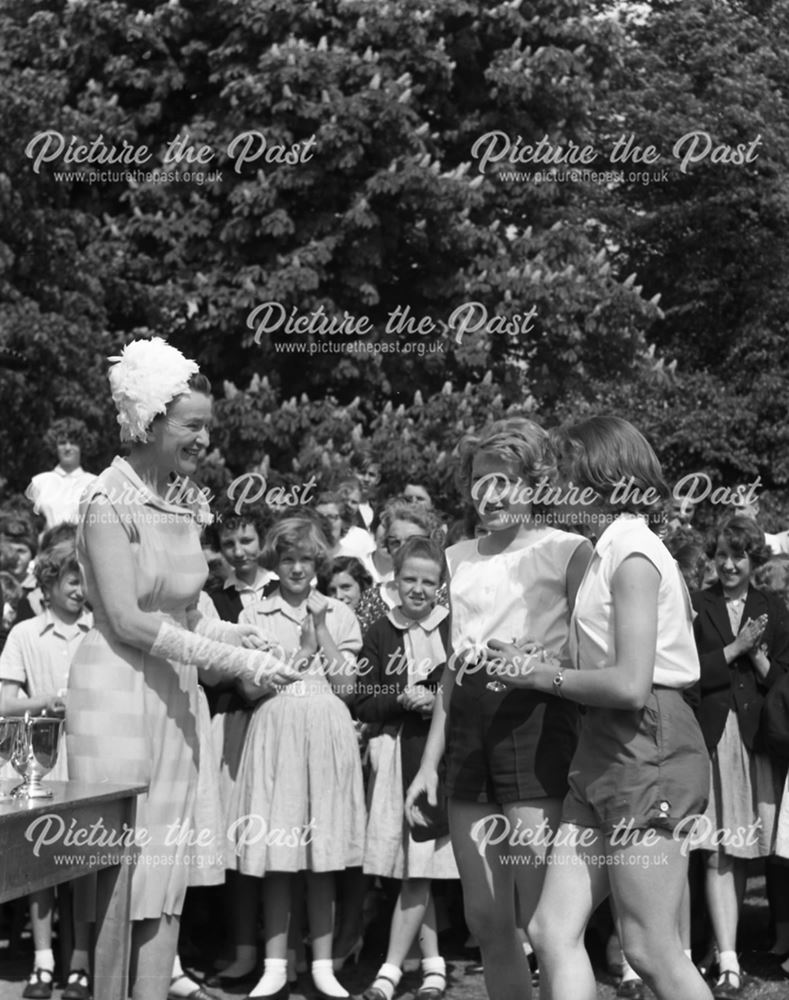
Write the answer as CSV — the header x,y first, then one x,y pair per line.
x,y
82,829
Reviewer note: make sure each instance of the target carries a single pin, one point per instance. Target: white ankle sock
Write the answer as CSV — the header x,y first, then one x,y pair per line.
x,y
387,979
728,962
434,973
324,979
275,976
44,959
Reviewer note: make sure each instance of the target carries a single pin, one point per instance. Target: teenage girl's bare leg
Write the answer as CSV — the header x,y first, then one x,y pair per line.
x,y
529,878
575,884
489,868
648,880
725,889
320,912
407,919
276,913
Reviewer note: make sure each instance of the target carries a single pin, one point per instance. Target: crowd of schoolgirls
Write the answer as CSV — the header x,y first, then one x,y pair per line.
x,y
580,669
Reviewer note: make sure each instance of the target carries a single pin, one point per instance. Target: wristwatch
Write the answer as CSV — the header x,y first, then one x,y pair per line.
x,y
558,680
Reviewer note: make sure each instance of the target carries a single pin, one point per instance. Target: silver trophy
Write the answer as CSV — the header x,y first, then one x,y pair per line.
x,y
11,733
35,754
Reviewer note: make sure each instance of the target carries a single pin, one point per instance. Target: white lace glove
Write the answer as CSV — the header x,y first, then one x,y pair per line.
x,y
264,669
222,631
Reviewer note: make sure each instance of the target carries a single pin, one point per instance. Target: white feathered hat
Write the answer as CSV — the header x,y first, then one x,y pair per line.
x,y
144,378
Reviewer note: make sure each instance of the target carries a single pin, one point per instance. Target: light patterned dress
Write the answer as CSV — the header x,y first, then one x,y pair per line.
x,y
209,849
132,718
298,801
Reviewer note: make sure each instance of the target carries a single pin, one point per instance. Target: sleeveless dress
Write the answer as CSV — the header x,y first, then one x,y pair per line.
x,y
132,717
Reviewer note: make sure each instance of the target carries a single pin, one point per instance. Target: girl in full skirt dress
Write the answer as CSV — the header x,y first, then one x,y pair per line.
x,y
299,802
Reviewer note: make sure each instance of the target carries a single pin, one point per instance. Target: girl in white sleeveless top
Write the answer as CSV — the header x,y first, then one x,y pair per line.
x,y
641,769
507,752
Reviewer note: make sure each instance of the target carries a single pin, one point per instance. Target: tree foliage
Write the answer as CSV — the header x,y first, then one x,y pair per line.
x,y
333,153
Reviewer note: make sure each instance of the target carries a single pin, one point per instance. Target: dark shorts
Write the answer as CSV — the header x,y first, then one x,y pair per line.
x,y
644,769
509,746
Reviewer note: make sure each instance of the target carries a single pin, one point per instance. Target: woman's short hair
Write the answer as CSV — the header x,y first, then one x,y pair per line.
x,y
608,453
345,564
227,518
295,532
199,383
55,562
743,536
514,439
400,509
419,548
67,429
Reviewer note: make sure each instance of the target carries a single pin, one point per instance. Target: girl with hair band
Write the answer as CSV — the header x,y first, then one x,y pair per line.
x,y
641,767
300,776
132,689
507,752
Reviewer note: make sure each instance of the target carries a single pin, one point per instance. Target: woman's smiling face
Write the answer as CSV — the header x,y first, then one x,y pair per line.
x,y
499,491
181,436
734,568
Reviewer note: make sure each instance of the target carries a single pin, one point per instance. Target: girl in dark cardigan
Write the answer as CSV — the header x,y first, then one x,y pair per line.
x,y
743,642
399,668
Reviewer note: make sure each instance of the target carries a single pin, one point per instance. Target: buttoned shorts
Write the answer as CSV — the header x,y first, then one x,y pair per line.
x,y
647,768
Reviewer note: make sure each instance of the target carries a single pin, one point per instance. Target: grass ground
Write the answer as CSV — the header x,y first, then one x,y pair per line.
x,y
763,978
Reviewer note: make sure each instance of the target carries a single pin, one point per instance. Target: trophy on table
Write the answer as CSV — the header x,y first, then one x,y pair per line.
x,y
34,752
10,732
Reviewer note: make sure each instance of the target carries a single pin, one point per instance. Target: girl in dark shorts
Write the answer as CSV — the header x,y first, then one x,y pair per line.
x,y
507,752
641,765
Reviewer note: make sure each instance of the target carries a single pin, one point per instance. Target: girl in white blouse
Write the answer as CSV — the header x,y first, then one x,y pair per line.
x,y
641,767
507,752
